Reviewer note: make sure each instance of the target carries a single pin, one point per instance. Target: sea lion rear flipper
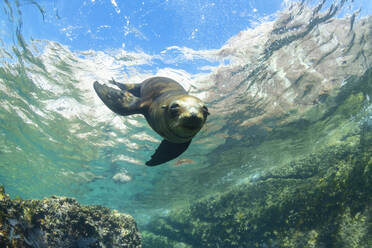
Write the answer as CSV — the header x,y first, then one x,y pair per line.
x,y
120,102
167,151
135,89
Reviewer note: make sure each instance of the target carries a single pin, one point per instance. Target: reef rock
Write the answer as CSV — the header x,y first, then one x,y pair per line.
x,y
63,222
323,200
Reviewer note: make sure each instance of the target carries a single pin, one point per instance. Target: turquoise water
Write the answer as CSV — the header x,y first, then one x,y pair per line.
x,y
57,138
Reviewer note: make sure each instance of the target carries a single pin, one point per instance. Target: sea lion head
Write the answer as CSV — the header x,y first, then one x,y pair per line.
x,y
186,115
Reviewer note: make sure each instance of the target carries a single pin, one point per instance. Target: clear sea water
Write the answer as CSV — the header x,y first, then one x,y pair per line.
x,y
256,64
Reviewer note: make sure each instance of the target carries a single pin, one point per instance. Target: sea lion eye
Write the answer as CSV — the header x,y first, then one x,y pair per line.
x,y
174,106
205,110
173,109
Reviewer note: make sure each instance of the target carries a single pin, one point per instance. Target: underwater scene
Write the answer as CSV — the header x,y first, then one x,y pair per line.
x,y
281,155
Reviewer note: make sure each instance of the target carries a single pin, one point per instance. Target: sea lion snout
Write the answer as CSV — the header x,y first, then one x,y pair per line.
x,y
192,120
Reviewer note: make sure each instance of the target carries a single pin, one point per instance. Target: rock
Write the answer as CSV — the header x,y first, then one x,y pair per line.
x,y
122,177
63,222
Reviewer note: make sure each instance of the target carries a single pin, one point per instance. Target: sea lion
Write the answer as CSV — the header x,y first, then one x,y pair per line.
x,y
168,108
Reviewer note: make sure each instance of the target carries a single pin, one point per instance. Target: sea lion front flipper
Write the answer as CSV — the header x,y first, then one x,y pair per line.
x,y
120,102
167,151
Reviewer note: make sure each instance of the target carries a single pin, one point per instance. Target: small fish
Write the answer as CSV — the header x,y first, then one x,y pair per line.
x,y
183,161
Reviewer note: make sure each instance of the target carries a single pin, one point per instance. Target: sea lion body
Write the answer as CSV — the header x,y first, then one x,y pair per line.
x,y
167,107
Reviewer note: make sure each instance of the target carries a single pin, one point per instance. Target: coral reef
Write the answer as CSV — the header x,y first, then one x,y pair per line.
x,y
62,222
